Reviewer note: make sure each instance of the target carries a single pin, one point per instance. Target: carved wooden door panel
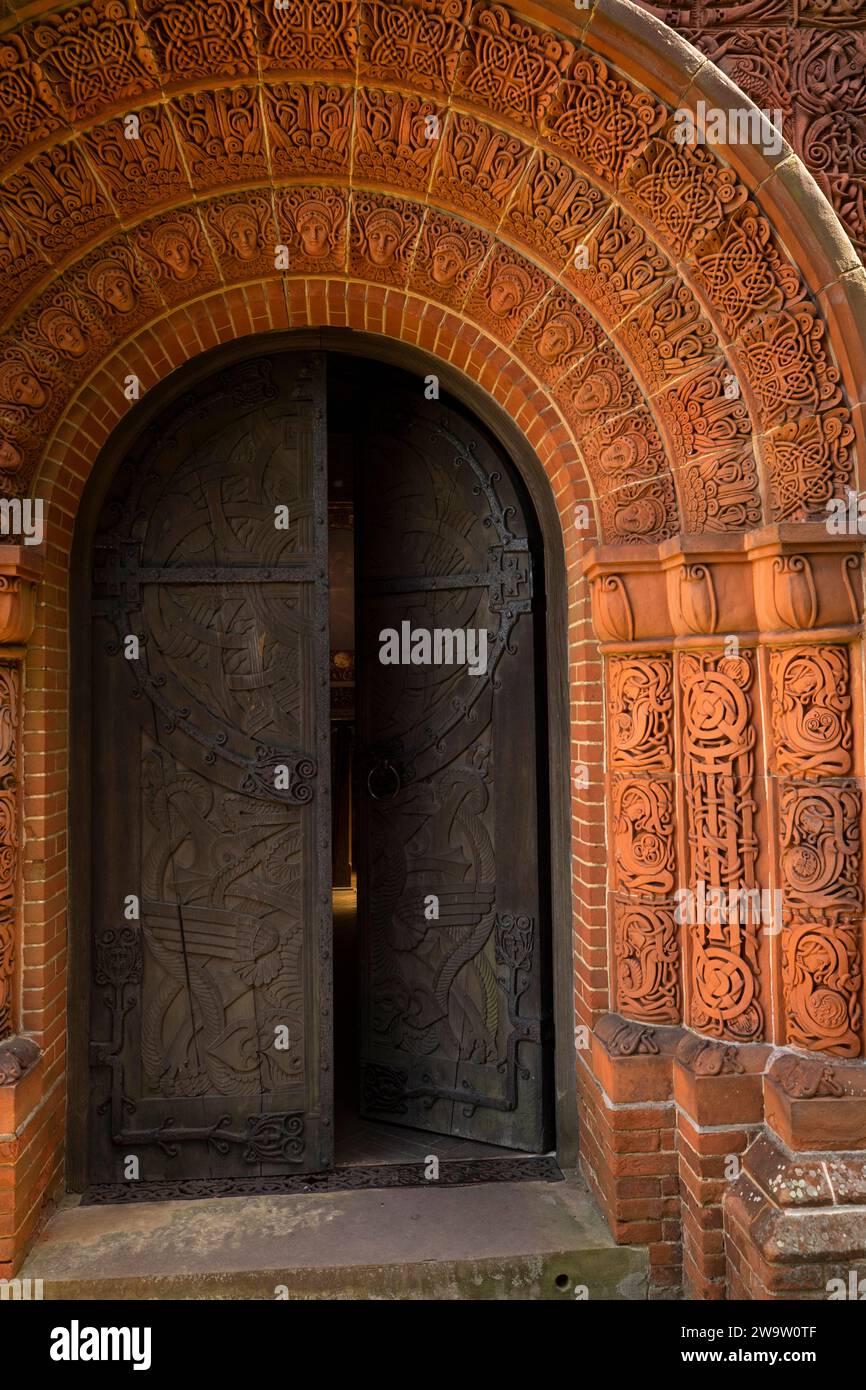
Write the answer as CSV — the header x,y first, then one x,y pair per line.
x,y
210,875
452,915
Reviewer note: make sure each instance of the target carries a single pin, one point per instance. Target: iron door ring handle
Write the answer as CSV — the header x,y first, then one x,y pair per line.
x,y
386,766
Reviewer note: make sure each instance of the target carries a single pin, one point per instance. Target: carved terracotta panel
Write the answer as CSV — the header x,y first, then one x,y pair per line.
x,y
423,37
510,66
242,231
557,336
623,266
822,976
553,208
448,259
307,36
309,128
506,292
194,40
114,283
393,141
640,705
222,137
29,110
739,267
601,120
142,172
57,200
479,168
96,56
312,224
383,237
718,741
683,191
808,461
646,953
175,250
811,711
636,513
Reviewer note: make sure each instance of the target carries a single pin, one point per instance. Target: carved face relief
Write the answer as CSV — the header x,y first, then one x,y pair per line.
x,y
449,258
640,517
111,283
558,338
171,244
243,233
598,392
10,457
18,386
627,454
383,232
314,228
63,333
507,292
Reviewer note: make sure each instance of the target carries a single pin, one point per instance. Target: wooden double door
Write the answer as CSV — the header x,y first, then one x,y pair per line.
x,y
210,989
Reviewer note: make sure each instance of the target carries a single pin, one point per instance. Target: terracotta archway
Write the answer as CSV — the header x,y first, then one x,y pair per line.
x,y
675,331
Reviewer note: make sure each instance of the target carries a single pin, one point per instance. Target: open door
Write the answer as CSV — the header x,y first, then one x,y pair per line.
x,y
210,870
451,912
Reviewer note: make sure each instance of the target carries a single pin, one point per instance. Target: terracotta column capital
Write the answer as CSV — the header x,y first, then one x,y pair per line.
x,y
20,571
772,585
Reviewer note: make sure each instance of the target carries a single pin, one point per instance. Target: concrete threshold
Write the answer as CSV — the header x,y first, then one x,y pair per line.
x,y
522,1240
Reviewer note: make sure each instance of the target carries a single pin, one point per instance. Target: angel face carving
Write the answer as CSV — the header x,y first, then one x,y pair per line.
x,y
627,454
598,392
508,291
18,386
113,285
558,338
63,333
315,226
383,231
10,457
450,255
172,246
242,232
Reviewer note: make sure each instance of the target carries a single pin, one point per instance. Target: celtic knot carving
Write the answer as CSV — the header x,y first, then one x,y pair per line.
x,y
96,55
639,705
600,119
718,755
647,963
822,978
683,191
197,42
821,855
643,826
811,710
511,66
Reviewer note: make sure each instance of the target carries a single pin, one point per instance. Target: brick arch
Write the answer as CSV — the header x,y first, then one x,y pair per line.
x,y
694,364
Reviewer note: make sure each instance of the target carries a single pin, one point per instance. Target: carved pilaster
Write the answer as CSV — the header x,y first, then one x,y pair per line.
x,y
19,572
819,811
763,925
640,758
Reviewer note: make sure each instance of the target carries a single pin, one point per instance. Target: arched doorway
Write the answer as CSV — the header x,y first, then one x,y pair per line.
x,y
205,888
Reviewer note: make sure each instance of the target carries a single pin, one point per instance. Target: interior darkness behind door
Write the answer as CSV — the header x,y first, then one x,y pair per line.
x,y
452,915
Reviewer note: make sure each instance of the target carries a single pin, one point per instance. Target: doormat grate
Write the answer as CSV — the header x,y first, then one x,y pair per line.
x,y
452,1173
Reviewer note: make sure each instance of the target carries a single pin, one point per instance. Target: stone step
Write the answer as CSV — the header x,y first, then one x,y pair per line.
x,y
509,1240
